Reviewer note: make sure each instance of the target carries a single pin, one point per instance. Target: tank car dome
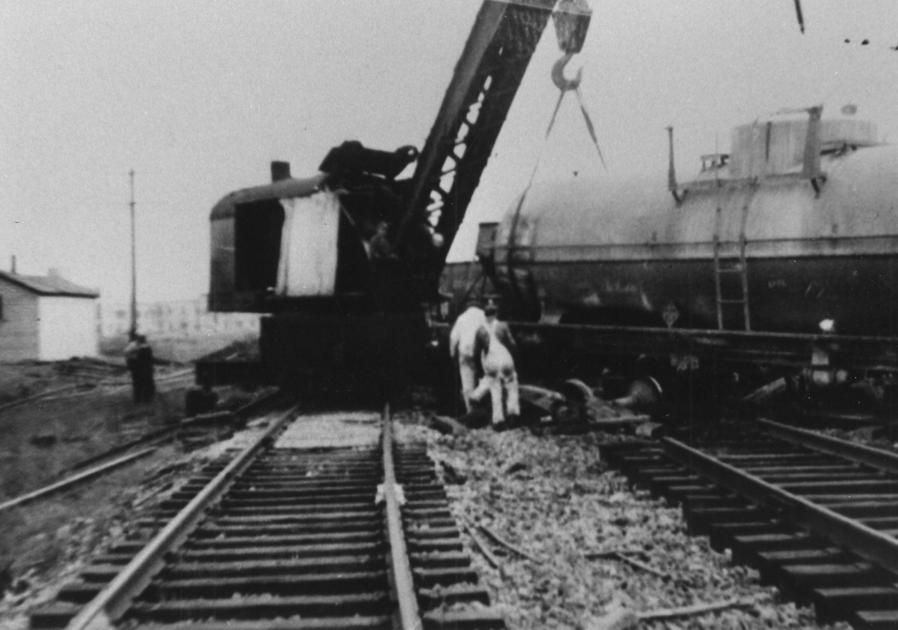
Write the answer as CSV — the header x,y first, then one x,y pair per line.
x,y
784,214
775,146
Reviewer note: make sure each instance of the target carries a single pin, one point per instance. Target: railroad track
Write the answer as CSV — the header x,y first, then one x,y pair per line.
x,y
817,516
306,527
94,380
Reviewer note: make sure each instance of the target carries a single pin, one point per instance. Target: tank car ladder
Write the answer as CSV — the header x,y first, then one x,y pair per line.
x,y
727,266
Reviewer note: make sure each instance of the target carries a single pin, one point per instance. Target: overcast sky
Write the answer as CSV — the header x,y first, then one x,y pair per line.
x,y
198,97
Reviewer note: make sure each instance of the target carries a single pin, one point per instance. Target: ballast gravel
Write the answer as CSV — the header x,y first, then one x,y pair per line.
x,y
554,498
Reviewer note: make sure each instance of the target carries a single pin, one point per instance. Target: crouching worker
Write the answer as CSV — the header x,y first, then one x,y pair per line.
x,y
462,348
496,345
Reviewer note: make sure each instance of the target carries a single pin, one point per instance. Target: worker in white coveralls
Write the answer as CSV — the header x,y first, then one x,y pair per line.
x,y
462,347
495,343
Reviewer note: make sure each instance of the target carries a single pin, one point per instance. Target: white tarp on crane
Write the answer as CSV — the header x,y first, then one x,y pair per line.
x,y
308,260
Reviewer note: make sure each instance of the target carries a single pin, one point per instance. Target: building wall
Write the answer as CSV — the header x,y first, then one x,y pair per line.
x,y
19,324
68,328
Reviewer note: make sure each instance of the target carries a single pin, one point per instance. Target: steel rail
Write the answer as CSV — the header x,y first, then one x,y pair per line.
x,y
44,394
112,602
153,437
159,435
875,546
403,582
85,389
75,479
875,457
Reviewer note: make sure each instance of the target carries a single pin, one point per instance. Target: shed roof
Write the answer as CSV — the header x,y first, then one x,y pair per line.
x,y
49,285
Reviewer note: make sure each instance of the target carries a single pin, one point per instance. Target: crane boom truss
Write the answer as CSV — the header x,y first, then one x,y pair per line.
x,y
477,101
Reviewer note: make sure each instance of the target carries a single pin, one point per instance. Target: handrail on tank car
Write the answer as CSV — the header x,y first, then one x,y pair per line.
x,y
827,338
859,352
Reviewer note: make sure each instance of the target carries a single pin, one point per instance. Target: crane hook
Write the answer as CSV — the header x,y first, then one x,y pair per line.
x,y
564,84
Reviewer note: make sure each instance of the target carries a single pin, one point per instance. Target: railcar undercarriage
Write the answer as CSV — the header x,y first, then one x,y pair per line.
x,y
691,374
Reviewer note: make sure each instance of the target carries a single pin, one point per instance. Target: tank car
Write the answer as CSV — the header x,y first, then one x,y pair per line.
x,y
782,251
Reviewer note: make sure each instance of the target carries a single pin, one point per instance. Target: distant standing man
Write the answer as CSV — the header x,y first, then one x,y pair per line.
x,y
146,383
462,347
131,362
496,345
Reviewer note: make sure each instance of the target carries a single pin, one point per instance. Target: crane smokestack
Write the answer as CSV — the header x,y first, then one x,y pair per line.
x,y
811,161
672,185
280,171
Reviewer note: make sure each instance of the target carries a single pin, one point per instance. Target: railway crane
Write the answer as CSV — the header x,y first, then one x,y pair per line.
x,y
344,264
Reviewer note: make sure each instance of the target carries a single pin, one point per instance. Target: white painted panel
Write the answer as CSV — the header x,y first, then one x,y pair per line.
x,y
308,261
67,327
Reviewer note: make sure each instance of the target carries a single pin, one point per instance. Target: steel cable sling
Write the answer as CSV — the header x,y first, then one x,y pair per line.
x,y
564,85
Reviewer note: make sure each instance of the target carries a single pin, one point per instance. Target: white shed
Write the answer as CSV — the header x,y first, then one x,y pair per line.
x,y
46,318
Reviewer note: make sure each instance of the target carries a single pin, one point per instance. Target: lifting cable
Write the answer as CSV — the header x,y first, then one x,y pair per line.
x,y
589,126
564,86
571,24
539,157
517,211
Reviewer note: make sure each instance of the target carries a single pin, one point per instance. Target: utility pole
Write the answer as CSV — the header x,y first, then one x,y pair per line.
x,y
133,261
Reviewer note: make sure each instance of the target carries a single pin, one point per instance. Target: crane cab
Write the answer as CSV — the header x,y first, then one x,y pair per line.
x,y
313,256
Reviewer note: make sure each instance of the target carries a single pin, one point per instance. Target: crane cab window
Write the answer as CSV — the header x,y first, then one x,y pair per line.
x,y
296,248
257,244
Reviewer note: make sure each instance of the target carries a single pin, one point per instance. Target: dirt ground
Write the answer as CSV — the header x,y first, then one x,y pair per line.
x,y
26,379
45,541
185,349
44,437
54,416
